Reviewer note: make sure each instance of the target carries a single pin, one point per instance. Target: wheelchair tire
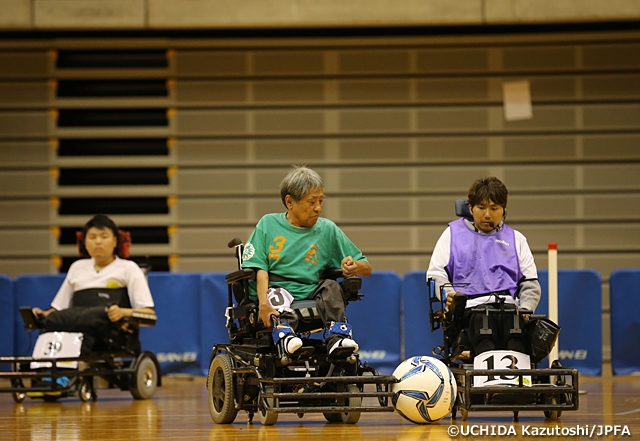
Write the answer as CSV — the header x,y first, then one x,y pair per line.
x,y
85,390
267,417
552,414
18,397
145,380
220,390
346,417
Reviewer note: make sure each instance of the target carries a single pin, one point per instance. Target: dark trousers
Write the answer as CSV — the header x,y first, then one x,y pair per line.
x,y
500,325
91,321
331,304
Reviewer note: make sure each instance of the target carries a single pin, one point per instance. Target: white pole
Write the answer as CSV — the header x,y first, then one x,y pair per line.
x,y
553,293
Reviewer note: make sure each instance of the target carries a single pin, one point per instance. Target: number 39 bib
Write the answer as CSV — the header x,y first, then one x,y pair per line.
x,y
279,298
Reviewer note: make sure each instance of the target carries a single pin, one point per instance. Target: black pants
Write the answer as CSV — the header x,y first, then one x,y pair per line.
x,y
331,304
92,321
501,325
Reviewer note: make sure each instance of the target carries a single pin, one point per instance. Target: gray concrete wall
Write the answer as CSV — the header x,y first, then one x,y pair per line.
x,y
189,14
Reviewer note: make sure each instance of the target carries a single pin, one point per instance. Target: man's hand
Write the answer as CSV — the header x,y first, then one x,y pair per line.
x,y
39,313
525,317
349,267
115,313
266,311
450,298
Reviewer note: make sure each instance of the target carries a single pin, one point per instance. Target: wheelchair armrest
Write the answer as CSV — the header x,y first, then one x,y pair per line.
x,y
458,305
351,286
142,319
243,274
29,318
534,316
332,273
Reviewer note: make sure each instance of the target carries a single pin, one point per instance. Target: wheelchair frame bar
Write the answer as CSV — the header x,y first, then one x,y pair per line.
x,y
329,409
364,379
297,395
299,398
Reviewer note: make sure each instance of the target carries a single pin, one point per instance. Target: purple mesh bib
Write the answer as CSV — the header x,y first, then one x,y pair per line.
x,y
488,262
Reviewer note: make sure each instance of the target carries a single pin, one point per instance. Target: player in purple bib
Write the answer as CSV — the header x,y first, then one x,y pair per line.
x,y
488,262
491,263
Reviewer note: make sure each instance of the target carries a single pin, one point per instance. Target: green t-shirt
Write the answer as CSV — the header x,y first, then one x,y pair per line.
x,y
302,254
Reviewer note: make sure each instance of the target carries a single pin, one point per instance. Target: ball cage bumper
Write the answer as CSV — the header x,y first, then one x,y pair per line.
x,y
109,366
310,396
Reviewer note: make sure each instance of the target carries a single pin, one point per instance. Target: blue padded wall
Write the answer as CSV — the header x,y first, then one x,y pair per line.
x,y
191,319
625,321
175,339
376,320
212,316
7,319
32,290
418,338
580,340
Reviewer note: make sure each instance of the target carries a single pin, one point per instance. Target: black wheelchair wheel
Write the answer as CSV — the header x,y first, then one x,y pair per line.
x,y
346,417
144,381
18,397
552,414
85,390
220,390
267,417
332,417
352,417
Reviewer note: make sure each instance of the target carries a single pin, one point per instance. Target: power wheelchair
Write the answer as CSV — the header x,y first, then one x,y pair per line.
x,y
116,357
253,374
552,390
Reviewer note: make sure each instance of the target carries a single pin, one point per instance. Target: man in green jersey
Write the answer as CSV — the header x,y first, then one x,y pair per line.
x,y
292,249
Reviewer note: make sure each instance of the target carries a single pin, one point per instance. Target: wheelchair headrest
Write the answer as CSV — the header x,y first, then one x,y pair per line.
x,y
462,209
122,250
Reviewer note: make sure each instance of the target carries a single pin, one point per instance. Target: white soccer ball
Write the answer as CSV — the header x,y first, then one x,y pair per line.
x,y
425,391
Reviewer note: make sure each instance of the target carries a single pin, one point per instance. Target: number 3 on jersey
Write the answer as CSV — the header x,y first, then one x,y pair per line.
x,y
277,247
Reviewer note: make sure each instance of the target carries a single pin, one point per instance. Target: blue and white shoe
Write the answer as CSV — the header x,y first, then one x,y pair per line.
x,y
344,343
284,335
292,344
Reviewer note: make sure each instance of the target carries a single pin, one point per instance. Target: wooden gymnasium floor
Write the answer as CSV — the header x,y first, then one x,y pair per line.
x,y
179,411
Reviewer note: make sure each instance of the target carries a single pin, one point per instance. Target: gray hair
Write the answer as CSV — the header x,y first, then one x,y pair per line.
x,y
299,182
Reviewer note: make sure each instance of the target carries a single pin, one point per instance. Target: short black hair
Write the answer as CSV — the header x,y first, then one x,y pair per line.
x,y
100,221
488,188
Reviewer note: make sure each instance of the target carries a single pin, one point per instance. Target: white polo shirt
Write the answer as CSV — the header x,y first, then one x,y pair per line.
x,y
120,273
